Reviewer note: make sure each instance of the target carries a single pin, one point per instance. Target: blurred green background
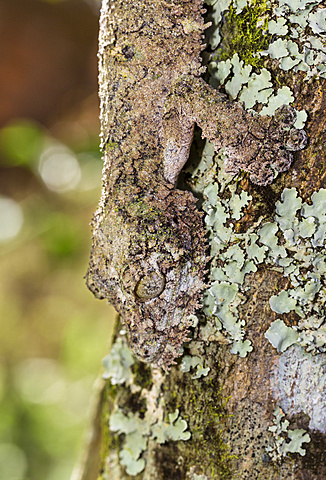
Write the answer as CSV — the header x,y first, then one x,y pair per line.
x,y
53,333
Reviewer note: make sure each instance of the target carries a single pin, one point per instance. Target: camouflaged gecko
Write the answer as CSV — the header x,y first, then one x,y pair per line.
x,y
149,252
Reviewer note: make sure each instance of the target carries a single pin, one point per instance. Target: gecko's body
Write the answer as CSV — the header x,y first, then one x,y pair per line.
x,y
148,256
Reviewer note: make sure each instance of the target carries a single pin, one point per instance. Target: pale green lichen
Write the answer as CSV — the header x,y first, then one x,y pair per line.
x,y
307,25
241,75
118,363
195,362
218,7
317,211
287,208
238,203
280,448
219,71
282,303
317,21
301,119
259,89
278,26
291,244
241,348
225,304
267,236
225,294
296,5
254,251
175,429
283,97
150,426
138,431
278,49
281,336
303,227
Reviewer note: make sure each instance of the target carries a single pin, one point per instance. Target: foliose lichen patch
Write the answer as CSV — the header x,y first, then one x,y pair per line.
x,y
137,433
155,424
118,363
296,31
229,250
293,244
302,230
189,362
281,433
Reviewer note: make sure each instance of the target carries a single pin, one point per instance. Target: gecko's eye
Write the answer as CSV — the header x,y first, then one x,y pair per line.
x,y
150,286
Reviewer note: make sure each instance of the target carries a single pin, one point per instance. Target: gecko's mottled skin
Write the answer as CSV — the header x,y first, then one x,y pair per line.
x,y
149,253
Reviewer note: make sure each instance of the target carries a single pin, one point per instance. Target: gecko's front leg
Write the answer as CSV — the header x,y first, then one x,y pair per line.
x,y
257,144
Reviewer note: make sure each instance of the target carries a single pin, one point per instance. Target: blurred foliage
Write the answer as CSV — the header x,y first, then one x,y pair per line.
x,y
21,142
53,332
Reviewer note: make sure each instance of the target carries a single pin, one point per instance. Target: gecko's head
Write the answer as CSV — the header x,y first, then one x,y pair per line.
x,y
150,266
156,305
145,295
150,296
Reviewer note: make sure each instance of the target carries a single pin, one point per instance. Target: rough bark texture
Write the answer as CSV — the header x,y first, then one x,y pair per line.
x,y
229,408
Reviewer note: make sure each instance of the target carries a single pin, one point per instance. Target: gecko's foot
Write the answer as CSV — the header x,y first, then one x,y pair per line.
x,y
257,144
282,129
296,140
268,164
266,150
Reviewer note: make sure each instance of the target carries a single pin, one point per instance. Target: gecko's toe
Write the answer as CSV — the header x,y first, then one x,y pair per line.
x,y
283,161
282,130
268,163
263,178
285,116
297,139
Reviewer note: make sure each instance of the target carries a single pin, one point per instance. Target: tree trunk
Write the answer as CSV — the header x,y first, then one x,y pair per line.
x,y
247,399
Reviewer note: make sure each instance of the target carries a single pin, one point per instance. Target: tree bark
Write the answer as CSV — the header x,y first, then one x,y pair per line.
x,y
223,415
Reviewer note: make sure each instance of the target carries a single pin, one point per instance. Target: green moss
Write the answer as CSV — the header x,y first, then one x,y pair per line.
x,y
142,375
109,442
110,146
246,33
203,406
